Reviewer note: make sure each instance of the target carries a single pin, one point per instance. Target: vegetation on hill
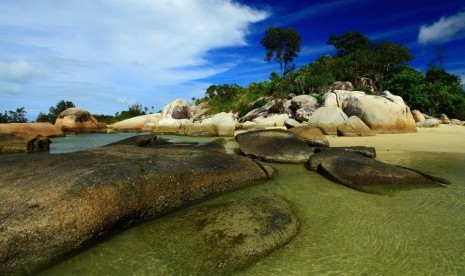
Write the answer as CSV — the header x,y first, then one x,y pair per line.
x,y
385,63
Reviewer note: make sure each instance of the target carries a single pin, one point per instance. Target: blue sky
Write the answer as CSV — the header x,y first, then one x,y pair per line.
x,y
107,54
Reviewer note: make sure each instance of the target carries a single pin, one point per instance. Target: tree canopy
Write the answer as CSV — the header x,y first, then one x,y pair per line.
x,y
282,45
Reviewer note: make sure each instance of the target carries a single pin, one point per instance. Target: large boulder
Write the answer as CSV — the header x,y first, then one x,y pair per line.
x,y
220,239
340,98
221,124
354,127
177,109
368,175
80,120
171,126
272,120
342,85
313,136
418,116
328,118
277,146
139,123
444,119
52,205
382,114
428,123
271,106
303,107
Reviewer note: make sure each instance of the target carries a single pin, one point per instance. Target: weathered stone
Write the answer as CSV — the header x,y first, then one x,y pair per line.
x,y
138,123
313,136
170,126
365,151
340,98
177,109
368,175
53,204
29,130
17,144
418,116
278,146
354,127
342,85
444,119
75,119
290,123
303,107
382,114
431,122
457,122
218,239
221,124
328,118
272,120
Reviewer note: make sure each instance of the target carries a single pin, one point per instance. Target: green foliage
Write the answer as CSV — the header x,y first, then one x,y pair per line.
x,y
349,43
14,116
42,118
282,45
55,111
133,111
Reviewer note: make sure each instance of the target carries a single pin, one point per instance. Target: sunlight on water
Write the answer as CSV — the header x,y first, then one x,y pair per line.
x,y
343,231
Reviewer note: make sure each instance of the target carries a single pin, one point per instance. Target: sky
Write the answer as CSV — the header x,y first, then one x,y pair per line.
x,y
104,55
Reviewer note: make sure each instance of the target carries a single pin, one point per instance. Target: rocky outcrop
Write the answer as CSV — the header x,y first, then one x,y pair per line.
x,y
313,136
444,119
277,146
342,85
457,122
290,123
54,204
303,107
221,124
365,174
354,127
177,109
431,122
29,130
78,120
273,120
27,137
328,118
418,116
170,126
272,106
139,123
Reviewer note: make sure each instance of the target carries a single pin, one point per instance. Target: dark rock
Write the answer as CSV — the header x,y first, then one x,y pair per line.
x,y
366,151
368,175
18,144
53,204
278,146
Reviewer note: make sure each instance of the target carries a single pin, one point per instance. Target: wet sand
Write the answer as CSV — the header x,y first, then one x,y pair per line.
x,y
445,138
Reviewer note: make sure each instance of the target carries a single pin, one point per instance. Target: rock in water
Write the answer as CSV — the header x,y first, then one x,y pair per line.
x,y
53,204
277,146
368,175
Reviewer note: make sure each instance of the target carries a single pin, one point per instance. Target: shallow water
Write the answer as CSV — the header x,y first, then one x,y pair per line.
x,y
343,231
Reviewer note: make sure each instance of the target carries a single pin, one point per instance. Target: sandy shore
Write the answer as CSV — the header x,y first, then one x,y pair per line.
x,y
445,138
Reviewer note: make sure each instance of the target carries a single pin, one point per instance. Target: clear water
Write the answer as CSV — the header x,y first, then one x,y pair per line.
x,y
343,231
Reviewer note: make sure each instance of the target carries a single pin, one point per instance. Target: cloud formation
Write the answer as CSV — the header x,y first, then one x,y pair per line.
x,y
14,75
446,29
125,46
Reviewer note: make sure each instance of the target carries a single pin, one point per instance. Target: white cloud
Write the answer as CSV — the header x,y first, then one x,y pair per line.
x,y
123,45
447,28
14,75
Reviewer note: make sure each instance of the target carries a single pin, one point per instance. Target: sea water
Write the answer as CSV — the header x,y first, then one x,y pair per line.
x,y
343,231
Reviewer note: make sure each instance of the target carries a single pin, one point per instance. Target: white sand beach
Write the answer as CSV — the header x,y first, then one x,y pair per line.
x,y
445,138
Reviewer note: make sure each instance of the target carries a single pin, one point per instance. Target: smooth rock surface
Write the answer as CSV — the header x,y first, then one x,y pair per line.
x,y
28,130
52,205
365,174
138,123
328,118
354,127
431,122
277,146
313,136
418,116
177,109
76,119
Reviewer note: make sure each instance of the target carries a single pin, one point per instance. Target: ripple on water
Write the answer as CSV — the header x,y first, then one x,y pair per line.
x,y
343,231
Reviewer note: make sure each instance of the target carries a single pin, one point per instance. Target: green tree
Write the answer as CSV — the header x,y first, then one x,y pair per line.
x,y
282,45
349,42
42,118
55,111
14,116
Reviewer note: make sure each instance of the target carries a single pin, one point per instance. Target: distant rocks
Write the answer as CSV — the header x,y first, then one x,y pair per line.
x,y
177,109
78,120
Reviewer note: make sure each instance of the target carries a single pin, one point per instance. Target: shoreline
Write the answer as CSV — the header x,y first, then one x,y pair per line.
x,y
445,138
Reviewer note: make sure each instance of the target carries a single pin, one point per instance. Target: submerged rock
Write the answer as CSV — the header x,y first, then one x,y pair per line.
x,y
368,175
54,204
277,146
229,236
